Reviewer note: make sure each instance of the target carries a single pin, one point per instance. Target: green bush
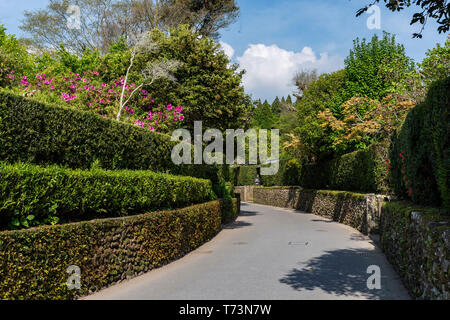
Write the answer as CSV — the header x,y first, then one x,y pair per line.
x,y
33,262
315,176
364,171
420,152
288,174
230,209
244,175
32,195
42,134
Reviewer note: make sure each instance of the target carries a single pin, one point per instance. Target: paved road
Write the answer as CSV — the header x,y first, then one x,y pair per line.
x,y
270,254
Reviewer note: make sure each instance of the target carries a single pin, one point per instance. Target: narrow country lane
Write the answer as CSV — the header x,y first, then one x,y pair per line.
x,y
270,254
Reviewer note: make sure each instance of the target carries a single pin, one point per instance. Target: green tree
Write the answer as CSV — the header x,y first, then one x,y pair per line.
x,y
276,106
263,116
370,64
436,65
104,22
14,59
209,89
328,92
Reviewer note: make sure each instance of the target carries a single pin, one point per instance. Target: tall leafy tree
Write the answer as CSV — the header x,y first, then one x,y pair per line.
x,y
370,63
207,86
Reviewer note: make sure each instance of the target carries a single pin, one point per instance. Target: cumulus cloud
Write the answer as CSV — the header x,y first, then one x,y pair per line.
x,y
270,69
229,51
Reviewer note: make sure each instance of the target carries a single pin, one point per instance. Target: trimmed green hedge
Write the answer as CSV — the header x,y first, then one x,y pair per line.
x,y
34,132
231,209
33,262
42,134
420,153
364,171
32,195
244,175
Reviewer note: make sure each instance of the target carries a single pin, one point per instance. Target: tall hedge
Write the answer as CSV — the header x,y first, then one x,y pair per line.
x,y
364,170
34,262
42,134
420,152
244,175
361,171
31,131
32,195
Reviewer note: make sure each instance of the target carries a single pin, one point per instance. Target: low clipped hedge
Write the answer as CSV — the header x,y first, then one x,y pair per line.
x,y
32,195
420,152
34,132
416,240
33,262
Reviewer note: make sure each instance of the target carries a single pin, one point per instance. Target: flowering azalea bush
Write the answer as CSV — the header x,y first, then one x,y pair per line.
x,y
89,92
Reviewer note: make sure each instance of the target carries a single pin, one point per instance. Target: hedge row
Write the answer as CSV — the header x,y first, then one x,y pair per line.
x,y
42,134
420,153
361,171
416,240
33,262
32,195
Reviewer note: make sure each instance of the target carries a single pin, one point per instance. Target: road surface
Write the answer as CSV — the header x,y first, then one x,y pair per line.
x,y
270,254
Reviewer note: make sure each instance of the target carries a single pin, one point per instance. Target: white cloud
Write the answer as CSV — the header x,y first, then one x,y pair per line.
x,y
270,69
229,51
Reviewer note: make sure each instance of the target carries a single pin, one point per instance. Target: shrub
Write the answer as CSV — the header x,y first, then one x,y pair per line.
x,y
245,175
420,152
33,262
364,171
43,134
230,209
288,174
315,176
32,195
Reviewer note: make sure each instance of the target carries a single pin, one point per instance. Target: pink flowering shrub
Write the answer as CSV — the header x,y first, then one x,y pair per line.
x,y
89,92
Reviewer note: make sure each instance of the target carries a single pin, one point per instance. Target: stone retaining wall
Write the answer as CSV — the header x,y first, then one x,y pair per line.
x,y
359,211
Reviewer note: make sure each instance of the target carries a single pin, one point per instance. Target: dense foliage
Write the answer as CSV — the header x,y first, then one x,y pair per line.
x,y
32,195
204,85
420,152
107,250
42,134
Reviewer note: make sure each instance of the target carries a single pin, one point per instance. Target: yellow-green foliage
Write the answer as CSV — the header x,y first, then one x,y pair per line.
x,y
33,262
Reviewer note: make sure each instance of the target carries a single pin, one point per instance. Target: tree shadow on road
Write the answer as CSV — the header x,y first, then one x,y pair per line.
x,y
340,272
237,225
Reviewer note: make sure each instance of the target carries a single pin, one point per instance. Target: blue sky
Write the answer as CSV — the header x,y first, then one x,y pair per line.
x,y
273,39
